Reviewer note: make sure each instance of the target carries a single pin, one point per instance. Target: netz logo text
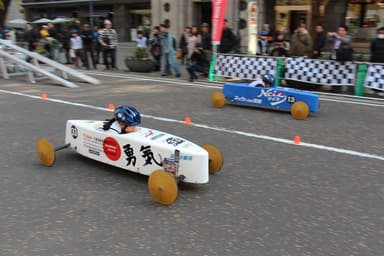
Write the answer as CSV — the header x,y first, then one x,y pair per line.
x,y
273,96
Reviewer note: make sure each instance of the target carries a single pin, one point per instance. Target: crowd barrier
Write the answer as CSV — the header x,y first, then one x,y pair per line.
x,y
312,71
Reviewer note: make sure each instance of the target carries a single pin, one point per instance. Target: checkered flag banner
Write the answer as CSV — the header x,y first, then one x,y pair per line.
x,y
375,77
323,72
245,67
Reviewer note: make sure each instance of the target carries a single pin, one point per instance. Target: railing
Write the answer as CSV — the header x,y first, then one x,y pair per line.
x,y
36,58
312,71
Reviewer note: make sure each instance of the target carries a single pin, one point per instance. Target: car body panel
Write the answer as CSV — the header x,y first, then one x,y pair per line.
x,y
276,97
143,151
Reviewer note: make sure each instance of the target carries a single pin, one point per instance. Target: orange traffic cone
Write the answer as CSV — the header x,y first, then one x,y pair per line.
x,y
111,106
297,139
44,96
187,120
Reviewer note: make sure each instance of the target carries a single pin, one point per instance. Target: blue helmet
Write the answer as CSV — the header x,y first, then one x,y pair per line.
x,y
127,115
268,78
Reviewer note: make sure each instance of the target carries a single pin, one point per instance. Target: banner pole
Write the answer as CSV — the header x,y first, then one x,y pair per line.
x,y
279,71
361,73
212,65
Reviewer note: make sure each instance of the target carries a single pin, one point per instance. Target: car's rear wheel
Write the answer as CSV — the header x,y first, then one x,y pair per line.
x,y
215,158
163,187
299,110
46,152
218,99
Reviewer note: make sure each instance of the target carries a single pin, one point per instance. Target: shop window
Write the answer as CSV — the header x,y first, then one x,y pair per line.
x,y
167,7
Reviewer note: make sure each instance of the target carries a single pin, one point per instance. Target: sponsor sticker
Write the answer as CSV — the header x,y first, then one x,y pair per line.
x,y
74,132
111,148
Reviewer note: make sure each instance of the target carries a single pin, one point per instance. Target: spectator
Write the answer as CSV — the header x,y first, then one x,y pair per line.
x,y
319,42
301,42
141,40
262,43
30,36
44,31
155,47
96,43
44,43
66,45
193,39
206,43
280,48
199,63
377,46
342,48
228,39
183,44
54,45
52,30
168,52
88,46
76,48
108,39
377,51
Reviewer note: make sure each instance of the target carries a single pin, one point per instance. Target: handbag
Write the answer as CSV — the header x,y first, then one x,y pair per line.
x,y
179,54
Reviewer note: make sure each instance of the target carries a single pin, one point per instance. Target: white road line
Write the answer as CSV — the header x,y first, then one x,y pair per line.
x,y
219,129
323,96
353,102
163,80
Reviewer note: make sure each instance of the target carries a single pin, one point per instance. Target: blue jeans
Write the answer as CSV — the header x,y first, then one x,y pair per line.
x,y
167,65
192,69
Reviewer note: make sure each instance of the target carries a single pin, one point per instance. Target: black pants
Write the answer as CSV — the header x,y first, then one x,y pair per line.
x,y
107,52
89,49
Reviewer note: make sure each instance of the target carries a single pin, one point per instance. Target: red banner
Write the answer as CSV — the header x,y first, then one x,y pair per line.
x,y
218,12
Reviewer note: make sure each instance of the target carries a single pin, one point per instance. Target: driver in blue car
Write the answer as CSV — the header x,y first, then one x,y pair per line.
x,y
125,120
266,80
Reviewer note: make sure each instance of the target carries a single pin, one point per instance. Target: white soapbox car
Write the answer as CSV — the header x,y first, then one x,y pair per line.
x,y
167,159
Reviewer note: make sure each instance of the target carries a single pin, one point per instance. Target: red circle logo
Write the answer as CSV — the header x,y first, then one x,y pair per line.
x,y
111,148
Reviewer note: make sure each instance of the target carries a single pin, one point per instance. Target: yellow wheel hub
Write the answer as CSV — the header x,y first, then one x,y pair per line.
x,y
45,152
218,99
163,187
215,158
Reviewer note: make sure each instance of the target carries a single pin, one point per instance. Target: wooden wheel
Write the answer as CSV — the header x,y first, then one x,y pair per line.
x,y
45,152
163,187
218,99
215,158
299,110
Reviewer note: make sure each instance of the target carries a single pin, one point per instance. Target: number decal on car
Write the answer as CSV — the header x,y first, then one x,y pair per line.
x,y
291,99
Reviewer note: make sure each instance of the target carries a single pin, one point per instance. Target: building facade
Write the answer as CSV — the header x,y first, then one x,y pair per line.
x,y
128,16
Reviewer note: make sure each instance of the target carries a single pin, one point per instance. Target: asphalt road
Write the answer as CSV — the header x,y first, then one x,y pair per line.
x,y
271,198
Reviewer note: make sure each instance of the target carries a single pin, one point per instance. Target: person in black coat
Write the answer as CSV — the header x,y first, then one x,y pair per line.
x,y
88,46
377,47
30,36
377,51
199,62
320,41
228,39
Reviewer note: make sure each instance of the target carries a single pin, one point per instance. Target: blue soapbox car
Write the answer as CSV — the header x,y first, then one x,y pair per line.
x,y
298,103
